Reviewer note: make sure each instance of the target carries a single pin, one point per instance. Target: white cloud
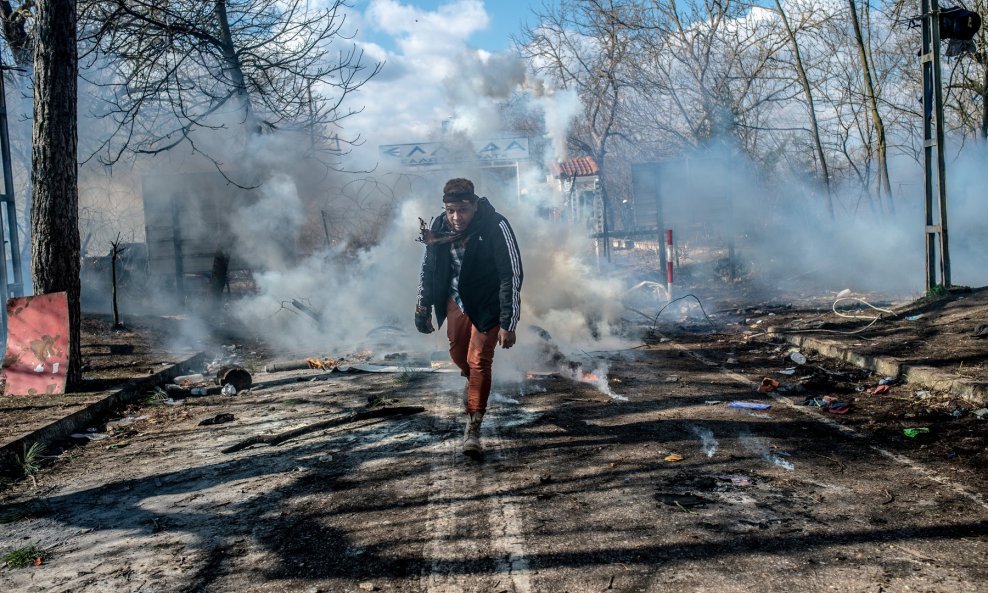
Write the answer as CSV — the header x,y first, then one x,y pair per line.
x,y
430,76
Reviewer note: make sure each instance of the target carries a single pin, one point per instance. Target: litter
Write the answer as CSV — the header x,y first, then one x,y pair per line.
x,y
713,402
217,419
229,389
756,415
674,457
789,371
185,380
882,388
914,432
834,405
839,407
887,381
749,405
768,384
980,413
236,376
798,357
914,317
736,480
92,436
125,421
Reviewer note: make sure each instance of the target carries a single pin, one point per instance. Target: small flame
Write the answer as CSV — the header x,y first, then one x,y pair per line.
x,y
597,378
589,377
321,363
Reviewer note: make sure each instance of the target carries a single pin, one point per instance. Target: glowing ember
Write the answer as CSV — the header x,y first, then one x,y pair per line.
x,y
321,363
596,377
589,377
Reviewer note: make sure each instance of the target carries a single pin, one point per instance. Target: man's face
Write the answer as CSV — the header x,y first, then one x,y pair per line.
x,y
460,214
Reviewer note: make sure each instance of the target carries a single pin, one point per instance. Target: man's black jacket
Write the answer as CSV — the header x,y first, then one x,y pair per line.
x,y
491,275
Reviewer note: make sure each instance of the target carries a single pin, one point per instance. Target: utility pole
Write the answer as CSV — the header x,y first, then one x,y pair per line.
x,y
13,285
933,159
960,26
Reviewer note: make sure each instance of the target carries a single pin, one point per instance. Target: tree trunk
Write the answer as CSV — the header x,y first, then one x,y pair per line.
x,y
220,275
55,215
234,70
884,185
115,246
808,93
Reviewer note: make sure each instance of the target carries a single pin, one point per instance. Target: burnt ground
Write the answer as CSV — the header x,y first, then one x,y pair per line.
x,y
575,493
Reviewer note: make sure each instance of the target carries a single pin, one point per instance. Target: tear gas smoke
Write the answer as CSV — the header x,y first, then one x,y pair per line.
x,y
757,446
706,435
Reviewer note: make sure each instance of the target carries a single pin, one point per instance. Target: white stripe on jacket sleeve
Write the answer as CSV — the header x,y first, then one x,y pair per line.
x,y
509,240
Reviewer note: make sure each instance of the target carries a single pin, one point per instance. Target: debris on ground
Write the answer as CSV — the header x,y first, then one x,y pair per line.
x,y
673,457
217,419
90,436
189,380
915,432
768,384
236,376
748,405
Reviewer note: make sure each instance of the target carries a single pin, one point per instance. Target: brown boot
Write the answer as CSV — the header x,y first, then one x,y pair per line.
x,y
471,439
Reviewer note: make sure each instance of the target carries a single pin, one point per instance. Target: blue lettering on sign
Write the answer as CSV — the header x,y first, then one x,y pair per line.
x,y
490,147
395,151
514,144
416,149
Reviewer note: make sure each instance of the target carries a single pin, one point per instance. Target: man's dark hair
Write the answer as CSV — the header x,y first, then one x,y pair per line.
x,y
459,190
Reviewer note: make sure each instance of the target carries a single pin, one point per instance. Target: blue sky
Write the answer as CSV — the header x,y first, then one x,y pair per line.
x,y
505,18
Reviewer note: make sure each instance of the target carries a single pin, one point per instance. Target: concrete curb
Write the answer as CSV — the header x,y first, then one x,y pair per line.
x,y
87,416
933,378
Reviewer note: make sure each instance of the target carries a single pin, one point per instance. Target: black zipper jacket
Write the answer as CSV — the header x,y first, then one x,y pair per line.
x,y
491,275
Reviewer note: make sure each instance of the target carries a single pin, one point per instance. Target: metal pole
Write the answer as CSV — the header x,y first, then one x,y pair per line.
x,y
669,262
941,166
13,286
933,154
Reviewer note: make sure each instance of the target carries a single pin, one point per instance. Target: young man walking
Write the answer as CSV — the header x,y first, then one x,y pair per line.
x,y
472,276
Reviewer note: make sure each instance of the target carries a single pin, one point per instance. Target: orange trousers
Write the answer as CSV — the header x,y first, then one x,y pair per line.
x,y
473,351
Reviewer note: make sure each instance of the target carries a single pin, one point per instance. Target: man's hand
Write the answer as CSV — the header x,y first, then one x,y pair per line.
x,y
423,319
506,338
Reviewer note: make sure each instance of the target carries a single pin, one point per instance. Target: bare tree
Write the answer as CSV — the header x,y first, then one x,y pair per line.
x,y
180,66
871,94
55,215
16,18
807,86
584,46
708,71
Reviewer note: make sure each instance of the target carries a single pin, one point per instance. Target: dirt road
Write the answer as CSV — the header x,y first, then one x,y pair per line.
x,y
575,493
